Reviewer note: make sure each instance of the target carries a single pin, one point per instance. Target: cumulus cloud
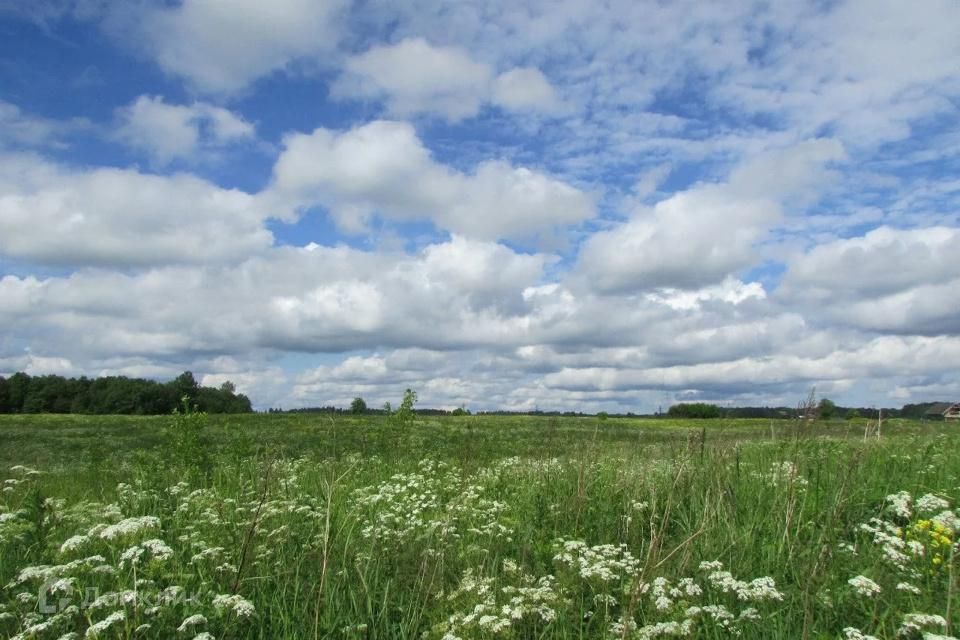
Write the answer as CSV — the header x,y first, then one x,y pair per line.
x,y
383,168
701,236
312,299
879,357
416,77
221,47
120,217
896,280
167,132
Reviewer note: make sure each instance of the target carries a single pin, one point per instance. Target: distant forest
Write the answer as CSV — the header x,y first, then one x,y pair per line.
x,y
685,410
22,393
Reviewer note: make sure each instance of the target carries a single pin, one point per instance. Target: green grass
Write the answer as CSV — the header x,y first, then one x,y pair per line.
x,y
354,527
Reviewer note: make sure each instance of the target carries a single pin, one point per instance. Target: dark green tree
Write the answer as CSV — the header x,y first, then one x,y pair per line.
x,y
358,406
827,409
186,385
18,386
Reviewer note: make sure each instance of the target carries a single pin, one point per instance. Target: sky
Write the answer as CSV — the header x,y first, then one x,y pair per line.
x,y
571,205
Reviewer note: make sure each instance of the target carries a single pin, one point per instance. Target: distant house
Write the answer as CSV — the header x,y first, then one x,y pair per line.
x,y
943,411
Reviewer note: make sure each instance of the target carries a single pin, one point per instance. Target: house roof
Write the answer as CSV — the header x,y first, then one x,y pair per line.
x,y
938,408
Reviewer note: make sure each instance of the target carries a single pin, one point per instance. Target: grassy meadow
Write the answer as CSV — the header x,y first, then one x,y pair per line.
x,y
320,526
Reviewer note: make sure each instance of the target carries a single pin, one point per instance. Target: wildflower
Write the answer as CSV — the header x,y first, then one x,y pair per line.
x,y
96,629
947,519
754,591
909,588
900,504
913,623
73,543
852,633
128,527
158,549
192,621
930,503
63,585
242,607
864,586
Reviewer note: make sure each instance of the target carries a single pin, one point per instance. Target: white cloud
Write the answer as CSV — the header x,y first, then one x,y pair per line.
x,y
461,321
220,47
55,215
701,236
19,129
383,168
167,132
867,69
310,299
525,88
899,280
877,358
416,77
730,290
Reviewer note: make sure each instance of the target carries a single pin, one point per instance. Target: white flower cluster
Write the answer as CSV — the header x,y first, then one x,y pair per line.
x,y
436,503
96,629
896,551
757,590
852,633
783,474
404,508
604,562
930,503
489,609
948,519
664,592
195,620
127,527
864,586
155,550
900,505
41,573
914,623
240,606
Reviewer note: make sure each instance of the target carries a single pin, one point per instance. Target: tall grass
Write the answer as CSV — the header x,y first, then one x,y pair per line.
x,y
466,528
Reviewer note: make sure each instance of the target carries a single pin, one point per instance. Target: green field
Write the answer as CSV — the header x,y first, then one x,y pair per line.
x,y
318,526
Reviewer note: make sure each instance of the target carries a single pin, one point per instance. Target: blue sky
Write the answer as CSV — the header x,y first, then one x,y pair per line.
x,y
574,205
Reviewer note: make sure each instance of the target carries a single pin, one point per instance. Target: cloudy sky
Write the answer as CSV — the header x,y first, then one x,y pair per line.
x,y
567,205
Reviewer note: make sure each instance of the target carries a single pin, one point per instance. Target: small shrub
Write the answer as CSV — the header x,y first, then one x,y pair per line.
x,y
187,437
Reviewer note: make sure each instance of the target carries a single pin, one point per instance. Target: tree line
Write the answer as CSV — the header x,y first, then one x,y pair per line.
x,y
826,409
22,393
